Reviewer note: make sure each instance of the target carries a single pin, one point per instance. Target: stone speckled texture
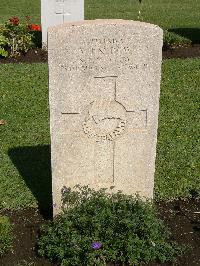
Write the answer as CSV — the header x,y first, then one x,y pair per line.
x,y
104,82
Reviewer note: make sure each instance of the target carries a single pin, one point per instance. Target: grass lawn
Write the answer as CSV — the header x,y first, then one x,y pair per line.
x,y
178,150
181,16
25,177
25,159
20,8
167,14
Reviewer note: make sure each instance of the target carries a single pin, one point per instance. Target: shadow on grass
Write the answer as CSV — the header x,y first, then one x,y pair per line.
x,y
33,164
191,33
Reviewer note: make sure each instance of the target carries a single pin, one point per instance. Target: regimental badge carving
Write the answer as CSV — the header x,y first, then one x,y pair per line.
x,y
105,120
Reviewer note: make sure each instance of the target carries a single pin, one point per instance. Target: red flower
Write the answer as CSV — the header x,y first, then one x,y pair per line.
x,y
14,21
34,27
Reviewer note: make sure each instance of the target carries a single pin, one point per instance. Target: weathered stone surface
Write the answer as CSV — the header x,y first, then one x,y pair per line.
x,y
104,81
55,12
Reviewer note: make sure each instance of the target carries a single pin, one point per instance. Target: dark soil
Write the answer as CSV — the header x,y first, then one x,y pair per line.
x,y
32,56
39,55
181,217
182,52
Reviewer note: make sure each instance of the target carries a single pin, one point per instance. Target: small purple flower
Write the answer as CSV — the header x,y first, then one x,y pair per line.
x,y
96,245
54,205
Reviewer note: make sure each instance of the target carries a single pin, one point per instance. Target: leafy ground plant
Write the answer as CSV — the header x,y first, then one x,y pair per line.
x,y
173,40
17,37
3,43
5,234
96,227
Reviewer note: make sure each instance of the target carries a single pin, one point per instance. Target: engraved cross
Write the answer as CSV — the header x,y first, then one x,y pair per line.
x,y
105,122
62,7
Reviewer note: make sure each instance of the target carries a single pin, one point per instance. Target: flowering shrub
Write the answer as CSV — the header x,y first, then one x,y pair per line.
x,y
18,36
14,21
34,27
95,228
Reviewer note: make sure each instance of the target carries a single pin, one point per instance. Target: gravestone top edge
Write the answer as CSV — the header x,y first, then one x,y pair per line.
x,y
104,88
100,22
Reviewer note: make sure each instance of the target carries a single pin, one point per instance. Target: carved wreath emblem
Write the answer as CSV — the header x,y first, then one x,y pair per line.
x,y
106,120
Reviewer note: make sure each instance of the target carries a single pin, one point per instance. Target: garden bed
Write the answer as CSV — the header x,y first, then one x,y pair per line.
x,y
39,55
182,52
181,217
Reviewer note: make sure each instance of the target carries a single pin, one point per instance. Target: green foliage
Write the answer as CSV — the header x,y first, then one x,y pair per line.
x,y
96,227
5,235
3,42
3,52
172,40
18,39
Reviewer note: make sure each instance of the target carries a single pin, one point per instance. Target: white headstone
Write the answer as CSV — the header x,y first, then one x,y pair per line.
x,y
104,82
55,12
